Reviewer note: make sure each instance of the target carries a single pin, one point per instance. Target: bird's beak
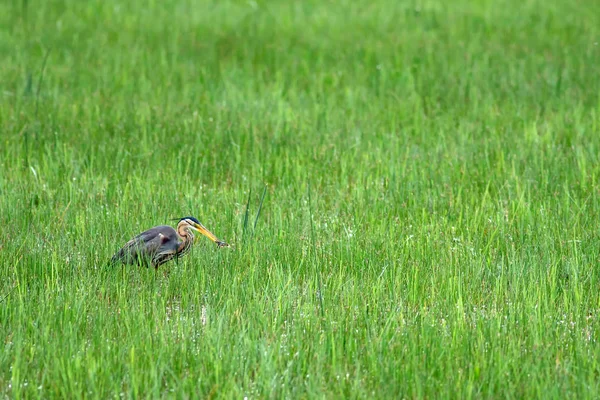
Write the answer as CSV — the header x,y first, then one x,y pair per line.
x,y
201,229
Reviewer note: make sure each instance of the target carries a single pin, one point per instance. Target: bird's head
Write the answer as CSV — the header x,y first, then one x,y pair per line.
x,y
195,225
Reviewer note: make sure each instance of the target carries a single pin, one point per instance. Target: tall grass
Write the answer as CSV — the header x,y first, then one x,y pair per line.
x,y
429,226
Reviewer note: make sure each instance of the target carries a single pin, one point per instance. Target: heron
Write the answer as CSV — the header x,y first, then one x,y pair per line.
x,y
161,244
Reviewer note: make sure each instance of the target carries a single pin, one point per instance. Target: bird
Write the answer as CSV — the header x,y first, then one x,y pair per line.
x,y
161,244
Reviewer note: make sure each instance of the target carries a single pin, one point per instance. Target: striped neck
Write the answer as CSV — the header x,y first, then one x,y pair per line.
x,y
187,240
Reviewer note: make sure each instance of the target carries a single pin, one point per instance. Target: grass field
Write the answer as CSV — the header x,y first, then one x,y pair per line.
x,y
430,221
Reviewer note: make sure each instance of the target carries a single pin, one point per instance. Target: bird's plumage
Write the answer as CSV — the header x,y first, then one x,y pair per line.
x,y
162,243
190,218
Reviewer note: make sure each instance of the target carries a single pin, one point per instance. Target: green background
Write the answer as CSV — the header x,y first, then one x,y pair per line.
x,y
430,217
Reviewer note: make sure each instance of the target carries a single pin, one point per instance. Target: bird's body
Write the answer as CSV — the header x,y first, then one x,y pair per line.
x,y
161,244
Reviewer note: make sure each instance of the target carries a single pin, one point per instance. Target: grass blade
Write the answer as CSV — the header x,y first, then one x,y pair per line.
x,y
262,198
40,81
245,226
315,259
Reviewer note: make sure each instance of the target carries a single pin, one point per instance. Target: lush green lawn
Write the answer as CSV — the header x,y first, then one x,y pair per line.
x,y
430,226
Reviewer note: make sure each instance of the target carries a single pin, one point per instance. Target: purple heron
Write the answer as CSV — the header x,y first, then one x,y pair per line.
x,y
161,244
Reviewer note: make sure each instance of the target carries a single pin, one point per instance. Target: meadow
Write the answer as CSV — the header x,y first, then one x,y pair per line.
x,y
411,189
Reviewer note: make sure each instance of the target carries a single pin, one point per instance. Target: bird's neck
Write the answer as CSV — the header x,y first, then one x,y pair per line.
x,y
187,239
186,234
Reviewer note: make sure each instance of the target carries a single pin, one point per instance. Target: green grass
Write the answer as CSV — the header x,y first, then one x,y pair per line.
x,y
430,226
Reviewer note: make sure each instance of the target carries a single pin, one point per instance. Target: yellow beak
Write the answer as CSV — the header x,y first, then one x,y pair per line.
x,y
201,229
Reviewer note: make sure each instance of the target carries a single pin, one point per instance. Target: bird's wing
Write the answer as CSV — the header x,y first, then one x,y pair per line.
x,y
147,244
167,247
